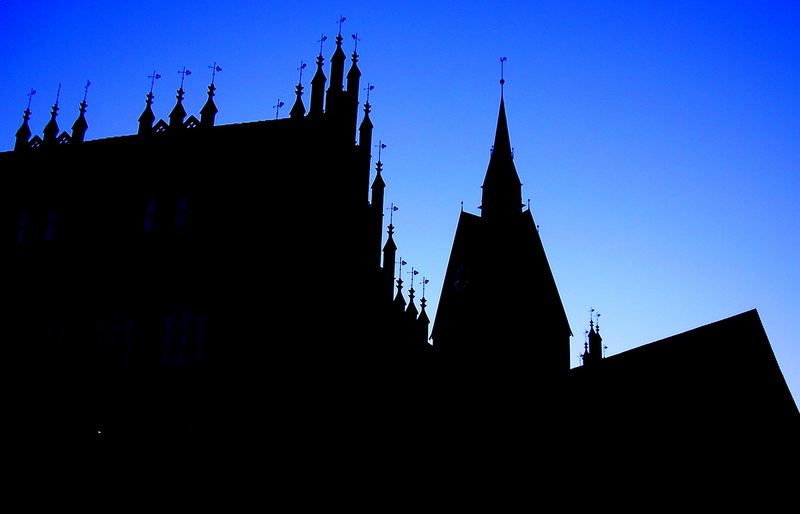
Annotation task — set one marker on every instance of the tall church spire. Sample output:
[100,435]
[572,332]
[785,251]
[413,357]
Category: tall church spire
[502,189]
[51,129]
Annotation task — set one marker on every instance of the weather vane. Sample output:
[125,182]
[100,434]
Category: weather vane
[356,39]
[86,90]
[413,272]
[214,70]
[155,76]
[424,282]
[30,96]
[301,68]
[277,107]
[342,19]
[400,270]
[380,146]
[502,79]
[322,39]
[369,88]
[184,73]
[392,208]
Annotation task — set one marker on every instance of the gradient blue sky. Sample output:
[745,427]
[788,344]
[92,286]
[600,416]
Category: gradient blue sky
[659,142]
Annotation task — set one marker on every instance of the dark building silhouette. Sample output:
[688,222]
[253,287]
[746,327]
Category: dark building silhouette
[498,285]
[177,315]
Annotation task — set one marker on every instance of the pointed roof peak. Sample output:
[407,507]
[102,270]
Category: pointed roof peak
[51,129]
[502,141]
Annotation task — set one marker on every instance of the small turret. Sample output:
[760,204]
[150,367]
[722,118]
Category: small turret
[80,126]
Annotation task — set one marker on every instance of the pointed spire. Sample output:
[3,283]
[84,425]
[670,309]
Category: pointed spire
[178,113]
[412,309]
[365,129]
[80,126]
[389,253]
[502,189]
[337,62]
[378,184]
[354,75]
[594,347]
[298,109]
[398,299]
[51,129]
[209,111]
[24,131]
[318,82]
[147,118]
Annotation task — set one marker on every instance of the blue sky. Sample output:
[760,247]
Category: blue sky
[659,142]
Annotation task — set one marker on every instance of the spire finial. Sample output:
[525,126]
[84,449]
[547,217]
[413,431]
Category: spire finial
[86,90]
[30,96]
[369,88]
[277,107]
[155,76]
[392,208]
[356,39]
[58,95]
[413,272]
[214,70]
[321,40]
[424,282]
[184,73]
[342,19]
[591,319]
[380,146]
[400,263]
[502,78]
[597,323]
[300,69]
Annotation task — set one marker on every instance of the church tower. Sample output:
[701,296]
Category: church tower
[499,303]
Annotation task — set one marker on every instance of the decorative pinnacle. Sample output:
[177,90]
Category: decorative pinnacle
[155,76]
[184,73]
[214,70]
[342,19]
[30,96]
[322,39]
